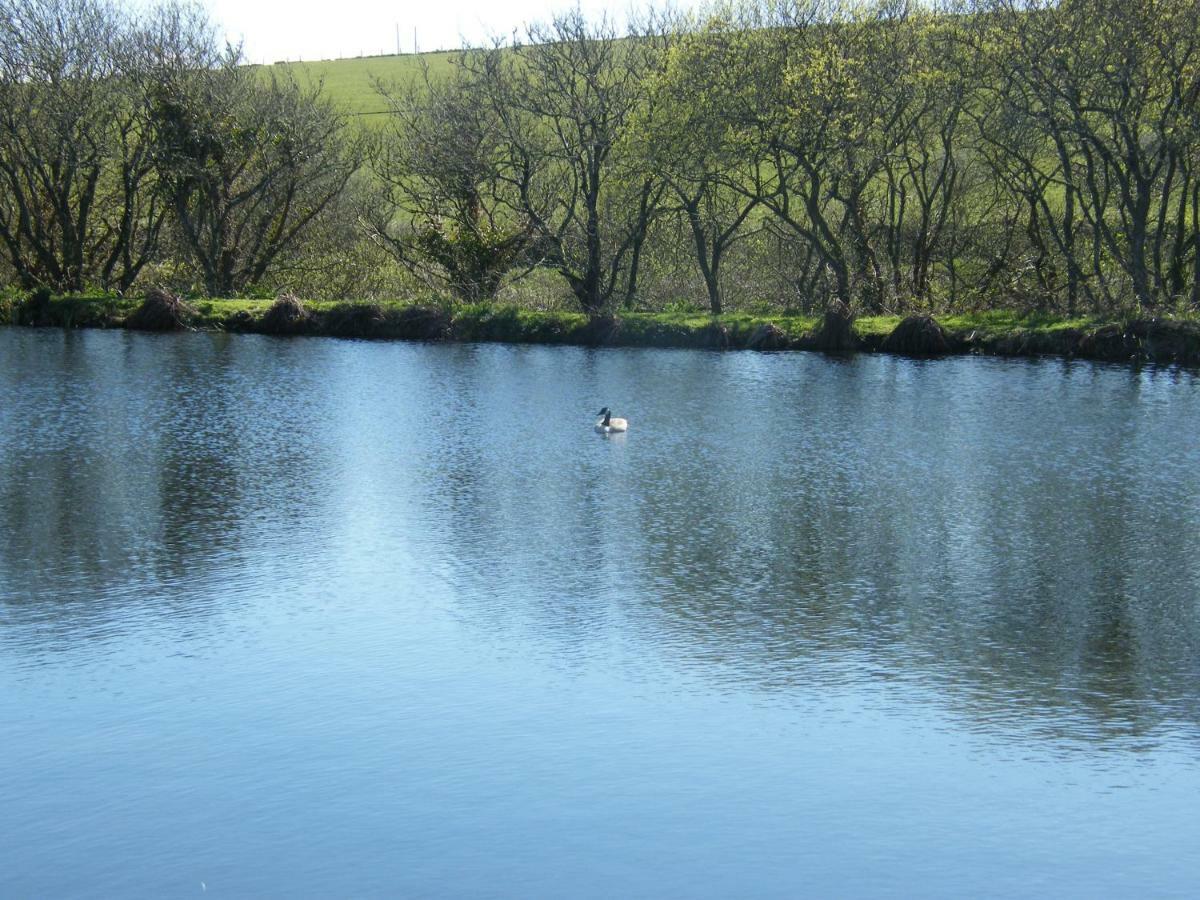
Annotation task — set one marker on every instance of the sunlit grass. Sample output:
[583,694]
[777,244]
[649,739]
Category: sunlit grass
[349,84]
[522,324]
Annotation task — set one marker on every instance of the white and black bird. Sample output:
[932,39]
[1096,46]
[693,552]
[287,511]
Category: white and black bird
[609,425]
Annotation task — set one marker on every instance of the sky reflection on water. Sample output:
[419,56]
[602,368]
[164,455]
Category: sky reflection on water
[325,616]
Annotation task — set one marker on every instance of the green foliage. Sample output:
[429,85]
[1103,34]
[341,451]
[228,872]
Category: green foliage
[474,259]
[1037,157]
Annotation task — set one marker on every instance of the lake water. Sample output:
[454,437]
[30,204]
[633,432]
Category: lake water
[335,618]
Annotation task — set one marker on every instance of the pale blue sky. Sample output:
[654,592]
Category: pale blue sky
[326,29]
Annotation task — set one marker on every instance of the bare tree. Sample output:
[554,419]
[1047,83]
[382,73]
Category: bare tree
[447,214]
[78,206]
[247,160]
[564,98]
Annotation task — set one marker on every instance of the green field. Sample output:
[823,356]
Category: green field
[350,83]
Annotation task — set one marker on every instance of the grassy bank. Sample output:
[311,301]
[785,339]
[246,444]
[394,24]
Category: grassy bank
[1165,339]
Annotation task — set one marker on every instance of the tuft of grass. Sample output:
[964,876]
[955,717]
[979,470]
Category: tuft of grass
[996,323]
[90,310]
[216,315]
[876,326]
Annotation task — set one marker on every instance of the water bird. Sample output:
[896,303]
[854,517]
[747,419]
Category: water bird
[609,425]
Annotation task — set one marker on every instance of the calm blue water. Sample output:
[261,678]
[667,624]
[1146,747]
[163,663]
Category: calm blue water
[310,617]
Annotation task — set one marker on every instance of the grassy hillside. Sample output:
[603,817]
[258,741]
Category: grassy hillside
[349,83]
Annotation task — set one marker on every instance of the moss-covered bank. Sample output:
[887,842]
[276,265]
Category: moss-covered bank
[1164,340]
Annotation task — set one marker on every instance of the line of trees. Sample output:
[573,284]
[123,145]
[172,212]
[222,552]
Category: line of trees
[889,154]
[886,154]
